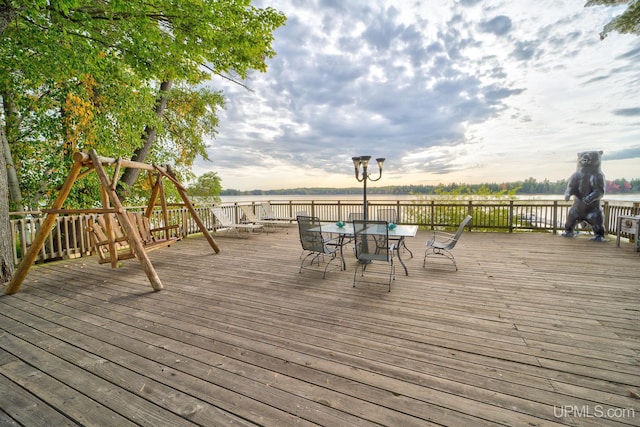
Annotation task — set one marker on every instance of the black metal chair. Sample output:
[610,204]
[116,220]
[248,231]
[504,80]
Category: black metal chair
[316,245]
[391,216]
[372,246]
[442,243]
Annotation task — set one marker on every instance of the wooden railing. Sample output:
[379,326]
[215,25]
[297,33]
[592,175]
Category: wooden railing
[69,237]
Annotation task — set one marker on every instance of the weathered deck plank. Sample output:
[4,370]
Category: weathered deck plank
[530,327]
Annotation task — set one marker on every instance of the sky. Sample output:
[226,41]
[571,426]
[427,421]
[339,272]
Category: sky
[447,91]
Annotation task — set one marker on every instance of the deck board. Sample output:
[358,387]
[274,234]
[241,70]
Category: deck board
[531,324]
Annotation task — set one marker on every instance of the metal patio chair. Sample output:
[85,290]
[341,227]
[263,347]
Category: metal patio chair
[387,214]
[268,224]
[268,214]
[391,216]
[317,247]
[442,243]
[228,225]
[372,246]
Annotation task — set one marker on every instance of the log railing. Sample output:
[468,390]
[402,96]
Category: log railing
[69,237]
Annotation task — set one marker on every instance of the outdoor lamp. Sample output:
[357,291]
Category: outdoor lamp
[363,161]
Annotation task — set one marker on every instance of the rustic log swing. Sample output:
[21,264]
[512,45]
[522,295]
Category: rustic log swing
[92,162]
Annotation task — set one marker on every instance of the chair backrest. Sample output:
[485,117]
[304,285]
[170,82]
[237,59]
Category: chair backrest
[247,211]
[372,240]
[389,215]
[267,211]
[461,227]
[355,215]
[142,225]
[222,217]
[116,230]
[310,240]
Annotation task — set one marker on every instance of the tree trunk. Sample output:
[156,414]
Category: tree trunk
[7,15]
[12,177]
[130,174]
[6,242]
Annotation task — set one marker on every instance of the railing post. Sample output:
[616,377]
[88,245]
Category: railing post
[510,216]
[607,213]
[555,216]
[185,223]
[432,218]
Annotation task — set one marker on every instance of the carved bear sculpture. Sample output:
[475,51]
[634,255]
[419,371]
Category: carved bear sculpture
[587,186]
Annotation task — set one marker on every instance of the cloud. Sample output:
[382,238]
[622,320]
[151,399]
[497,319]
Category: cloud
[499,26]
[460,81]
[525,50]
[626,154]
[627,112]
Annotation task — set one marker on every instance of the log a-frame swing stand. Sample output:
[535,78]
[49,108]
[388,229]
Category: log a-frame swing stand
[83,164]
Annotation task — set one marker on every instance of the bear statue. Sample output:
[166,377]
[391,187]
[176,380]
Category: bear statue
[587,185]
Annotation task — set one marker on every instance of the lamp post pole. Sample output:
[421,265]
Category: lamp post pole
[363,161]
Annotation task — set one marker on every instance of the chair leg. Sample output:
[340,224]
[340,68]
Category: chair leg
[316,258]
[333,257]
[363,267]
[355,273]
[392,275]
[442,252]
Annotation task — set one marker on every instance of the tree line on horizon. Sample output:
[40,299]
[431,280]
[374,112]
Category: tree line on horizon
[528,186]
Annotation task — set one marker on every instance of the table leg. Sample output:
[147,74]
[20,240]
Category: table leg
[405,247]
[400,244]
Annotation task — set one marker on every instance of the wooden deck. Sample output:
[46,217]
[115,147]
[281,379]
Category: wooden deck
[533,330]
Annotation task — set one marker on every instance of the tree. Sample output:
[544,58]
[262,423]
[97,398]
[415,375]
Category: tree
[207,188]
[87,74]
[80,74]
[6,242]
[626,23]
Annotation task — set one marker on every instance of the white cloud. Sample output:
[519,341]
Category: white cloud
[447,91]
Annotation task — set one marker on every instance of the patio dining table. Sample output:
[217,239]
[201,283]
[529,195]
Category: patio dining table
[399,233]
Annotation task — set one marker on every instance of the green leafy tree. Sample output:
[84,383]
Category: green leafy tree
[626,23]
[125,78]
[79,74]
[206,189]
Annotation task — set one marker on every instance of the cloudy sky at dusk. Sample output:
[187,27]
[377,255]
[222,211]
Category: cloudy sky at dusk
[446,90]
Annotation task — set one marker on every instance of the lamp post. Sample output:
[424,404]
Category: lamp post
[363,161]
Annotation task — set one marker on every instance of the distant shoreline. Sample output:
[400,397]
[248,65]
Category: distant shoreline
[625,197]
[520,188]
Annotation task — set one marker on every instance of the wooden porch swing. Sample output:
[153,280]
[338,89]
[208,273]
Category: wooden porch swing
[106,234]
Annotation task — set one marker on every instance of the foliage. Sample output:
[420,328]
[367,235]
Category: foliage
[82,74]
[626,23]
[453,206]
[206,189]
[528,186]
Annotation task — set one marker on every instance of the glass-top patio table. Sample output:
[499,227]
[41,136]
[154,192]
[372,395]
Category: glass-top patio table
[399,233]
